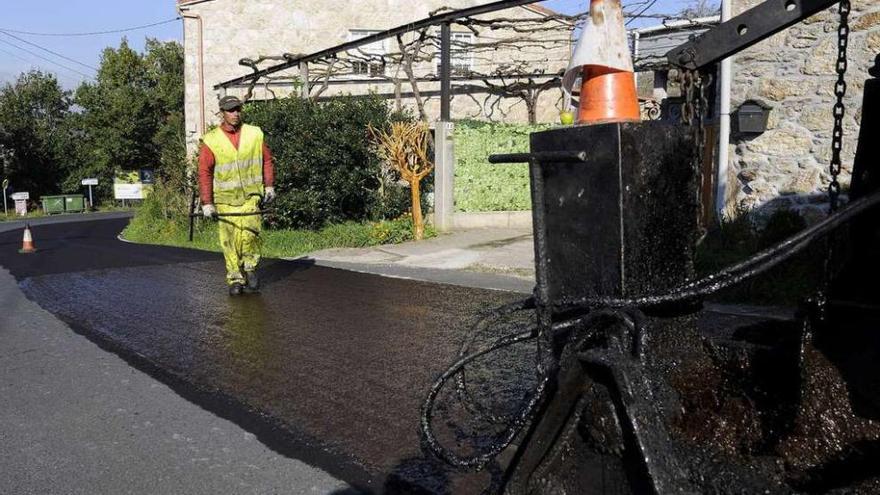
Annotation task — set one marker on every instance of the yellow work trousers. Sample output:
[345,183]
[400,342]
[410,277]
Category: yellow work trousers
[240,239]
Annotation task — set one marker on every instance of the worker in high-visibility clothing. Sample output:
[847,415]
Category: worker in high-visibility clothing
[236,177]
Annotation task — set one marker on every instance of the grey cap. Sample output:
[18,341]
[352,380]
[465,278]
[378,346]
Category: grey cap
[229,102]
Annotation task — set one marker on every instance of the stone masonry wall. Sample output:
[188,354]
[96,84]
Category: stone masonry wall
[794,73]
[236,29]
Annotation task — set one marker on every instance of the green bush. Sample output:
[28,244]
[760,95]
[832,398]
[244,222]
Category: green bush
[781,225]
[738,239]
[482,186]
[161,213]
[396,231]
[734,239]
[326,168]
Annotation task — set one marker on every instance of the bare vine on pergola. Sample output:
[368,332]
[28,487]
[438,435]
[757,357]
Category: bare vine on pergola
[253,64]
[523,76]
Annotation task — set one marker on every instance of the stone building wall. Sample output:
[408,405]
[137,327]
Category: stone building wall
[236,29]
[794,73]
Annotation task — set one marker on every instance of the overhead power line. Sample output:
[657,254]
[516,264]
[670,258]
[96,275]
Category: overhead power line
[94,33]
[45,58]
[13,76]
[636,16]
[16,56]
[87,66]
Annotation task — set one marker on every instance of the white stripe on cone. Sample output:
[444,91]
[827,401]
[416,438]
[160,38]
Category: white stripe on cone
[27,242]
[603,42]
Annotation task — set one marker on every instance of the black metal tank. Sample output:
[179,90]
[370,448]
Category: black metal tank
[634,395]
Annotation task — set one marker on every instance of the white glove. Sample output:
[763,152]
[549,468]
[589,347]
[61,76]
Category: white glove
[269,195]
[209,211]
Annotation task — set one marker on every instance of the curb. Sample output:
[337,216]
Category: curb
[505,219]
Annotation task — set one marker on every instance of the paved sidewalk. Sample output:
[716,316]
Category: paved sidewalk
[489,258]
[493,258]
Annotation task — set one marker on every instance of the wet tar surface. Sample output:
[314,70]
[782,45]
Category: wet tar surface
[324,365]
[331,367]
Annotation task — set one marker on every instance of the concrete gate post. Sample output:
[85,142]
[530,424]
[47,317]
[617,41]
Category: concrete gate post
[444,172]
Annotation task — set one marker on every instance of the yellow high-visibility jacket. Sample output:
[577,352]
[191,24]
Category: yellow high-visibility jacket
[238,173]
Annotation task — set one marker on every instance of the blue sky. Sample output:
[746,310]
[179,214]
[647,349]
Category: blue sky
[660,6]
[80,54]
[65,16]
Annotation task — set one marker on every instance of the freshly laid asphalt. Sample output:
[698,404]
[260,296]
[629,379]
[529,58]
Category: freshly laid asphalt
[76,419]
[325,366]
[126,368]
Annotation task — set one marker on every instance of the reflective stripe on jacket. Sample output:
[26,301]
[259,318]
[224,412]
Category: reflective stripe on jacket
[238,173]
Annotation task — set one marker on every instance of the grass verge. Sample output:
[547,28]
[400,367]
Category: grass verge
[39,213]
[12,217]
[174,231]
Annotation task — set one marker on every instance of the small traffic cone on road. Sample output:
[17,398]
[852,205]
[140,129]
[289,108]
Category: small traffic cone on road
[27,242]
[602,59]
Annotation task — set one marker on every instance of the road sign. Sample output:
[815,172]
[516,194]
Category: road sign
[147,175]
[92,181]
[21,200]
[128,185]
[128,191]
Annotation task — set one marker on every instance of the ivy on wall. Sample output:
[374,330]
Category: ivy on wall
[481,186]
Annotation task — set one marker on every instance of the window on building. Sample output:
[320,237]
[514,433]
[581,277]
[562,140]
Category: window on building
[366,60]
[461,57]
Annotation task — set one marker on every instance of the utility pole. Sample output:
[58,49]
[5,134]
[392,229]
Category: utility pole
[4,160]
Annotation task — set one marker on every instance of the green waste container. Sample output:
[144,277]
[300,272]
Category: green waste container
[52,204]
[74,203]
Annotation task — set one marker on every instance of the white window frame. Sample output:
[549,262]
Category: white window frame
[364,68]
[461,57]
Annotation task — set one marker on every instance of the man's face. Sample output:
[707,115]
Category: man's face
[232,117]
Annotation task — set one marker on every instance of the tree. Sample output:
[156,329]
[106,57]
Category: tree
[132,115]
[700,8]
[32,132]
[164,63]
[119,116]
[129,117]
[405,147]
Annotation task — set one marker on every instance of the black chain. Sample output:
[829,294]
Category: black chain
[839,108]
[686,78]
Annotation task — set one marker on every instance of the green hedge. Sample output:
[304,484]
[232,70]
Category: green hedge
[737,239]
[326,167]
[481,186]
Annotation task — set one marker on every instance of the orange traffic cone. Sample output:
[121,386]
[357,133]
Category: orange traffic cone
[608,95]
[27,242]
[602,59]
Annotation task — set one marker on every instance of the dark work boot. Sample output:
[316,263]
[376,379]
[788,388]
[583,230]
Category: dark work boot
[253,283]
[236,289]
